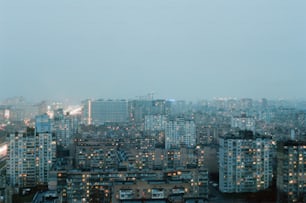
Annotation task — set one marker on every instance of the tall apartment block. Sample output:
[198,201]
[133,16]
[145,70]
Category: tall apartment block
[45,147]
[155,122]
[101,111]
[64,126]
[180,132]
[245,162]
[291,171]
[21,169]
[138,109]
[43,123]
[31,154]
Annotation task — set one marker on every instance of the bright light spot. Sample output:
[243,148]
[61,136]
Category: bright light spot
[3,150]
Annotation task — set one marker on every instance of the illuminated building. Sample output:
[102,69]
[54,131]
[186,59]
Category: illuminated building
[45,147]
[245,162]
[291,171]
[21,170]
[155,122]
[31,154]
[180,132]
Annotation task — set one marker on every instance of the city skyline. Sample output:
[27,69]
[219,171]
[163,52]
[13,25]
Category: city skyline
[176,49]
[145,150]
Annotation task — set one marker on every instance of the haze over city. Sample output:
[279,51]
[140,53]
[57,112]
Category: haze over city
[164,101]
[177,49]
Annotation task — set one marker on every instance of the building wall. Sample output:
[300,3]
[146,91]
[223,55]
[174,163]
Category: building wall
[99,112]
[64,126]
[155,122]
[243,123]
[21,168]
[31,154]
[291,171]
[45,155]
[43,123]
[180,132]
[245,163]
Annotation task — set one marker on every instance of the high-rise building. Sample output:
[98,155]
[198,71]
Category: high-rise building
[64,126]
[43,123]
[45,144]
[21,169]
[180,132]
[86,112]
[31,154]
[138,109]
[291,171]
[245,162]
[155,122]
[102,111]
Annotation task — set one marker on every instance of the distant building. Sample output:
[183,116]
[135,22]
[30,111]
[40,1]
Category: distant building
[64,126]
[86,112]
[43,124]
[101,111]
[206,134]
[243,122]
[179,107]
[246,103]
[180,132]
[138,109]
[291,171]
[245,162]
[155,122]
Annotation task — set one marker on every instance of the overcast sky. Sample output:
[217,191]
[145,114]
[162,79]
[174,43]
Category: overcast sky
[183,49]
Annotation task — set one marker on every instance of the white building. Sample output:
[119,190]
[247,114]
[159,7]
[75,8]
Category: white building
[45,155]
[180,132]
[243,122]
[155,122]
[245,162]
[30,157]
[31,154]
[64,126]
[21,168]
[102,111]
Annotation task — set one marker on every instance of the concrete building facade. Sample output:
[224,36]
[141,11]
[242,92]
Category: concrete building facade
[245,162]
[291,171]
[180,132]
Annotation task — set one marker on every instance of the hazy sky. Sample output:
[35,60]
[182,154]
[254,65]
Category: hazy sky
[184,49]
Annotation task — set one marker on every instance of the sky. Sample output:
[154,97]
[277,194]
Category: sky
[181,49]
